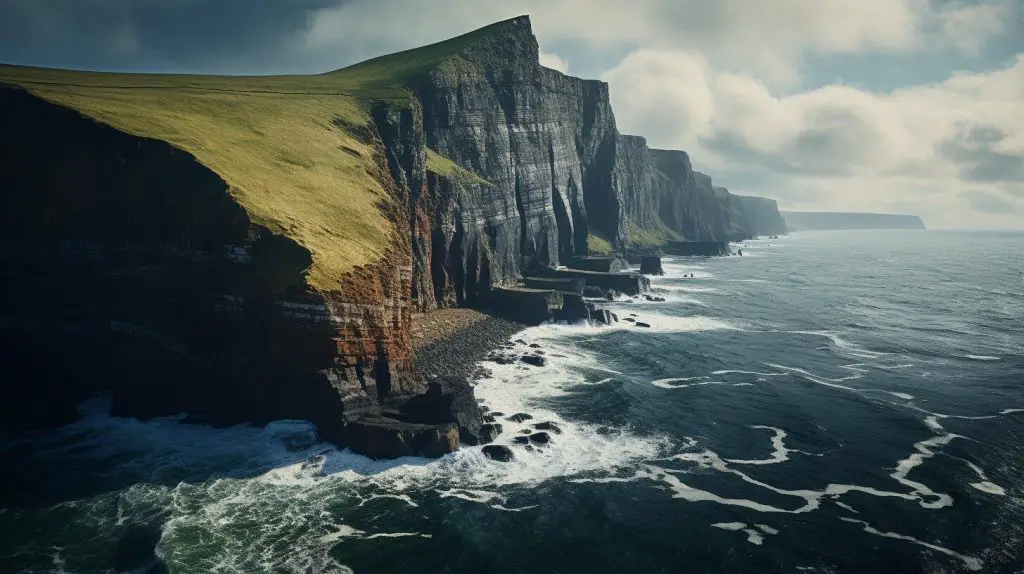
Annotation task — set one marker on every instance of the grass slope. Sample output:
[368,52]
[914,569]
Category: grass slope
[282,143]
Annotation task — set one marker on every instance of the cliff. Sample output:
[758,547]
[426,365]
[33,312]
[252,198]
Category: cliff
[810,221]
[246,249]
[763,215]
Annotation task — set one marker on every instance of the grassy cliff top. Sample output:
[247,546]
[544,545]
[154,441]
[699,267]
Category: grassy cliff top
[394,71]
[276,141]
[287,146]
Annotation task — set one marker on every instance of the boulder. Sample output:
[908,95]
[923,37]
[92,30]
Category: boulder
[602,317]
[382,437]
[519,417]
[540,438]
[534,360]
[651,265]
[499,453]
[488,432]
[447,400]
[548,426]
[574,308]
[642,324]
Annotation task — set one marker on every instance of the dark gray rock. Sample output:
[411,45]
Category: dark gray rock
[383,437]
[499,453]
[642,324]
[540,438]
[548,426]
[519,417]
[488,432]
[651,265]
[534,360]
[447,400]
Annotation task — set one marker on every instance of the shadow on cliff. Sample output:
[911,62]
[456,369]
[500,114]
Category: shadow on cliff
[129,269]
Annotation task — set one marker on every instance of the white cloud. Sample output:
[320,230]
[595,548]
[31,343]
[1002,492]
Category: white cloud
[957,144]
[768,39]
[554,61]
[969,25]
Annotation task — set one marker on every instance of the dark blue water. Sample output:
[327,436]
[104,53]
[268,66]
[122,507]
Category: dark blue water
[830,402]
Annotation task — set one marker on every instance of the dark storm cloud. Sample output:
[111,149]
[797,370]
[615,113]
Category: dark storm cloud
[167,35]
[972,150]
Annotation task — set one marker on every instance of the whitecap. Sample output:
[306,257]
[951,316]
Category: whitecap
[983,357]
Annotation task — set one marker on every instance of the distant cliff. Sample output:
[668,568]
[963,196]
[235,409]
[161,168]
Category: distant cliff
[763,215]
[823,220]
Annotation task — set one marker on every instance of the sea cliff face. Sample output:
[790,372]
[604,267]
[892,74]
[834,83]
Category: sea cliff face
[763,215]
[131,270]
[135,265]
[542,141]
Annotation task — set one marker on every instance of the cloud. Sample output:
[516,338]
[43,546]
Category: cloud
[988,202]
[554,61]
[855,148]
[228,36]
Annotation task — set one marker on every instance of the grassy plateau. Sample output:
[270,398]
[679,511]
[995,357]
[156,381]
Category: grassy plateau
[283,144]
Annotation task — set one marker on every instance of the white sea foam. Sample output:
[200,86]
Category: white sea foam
[972,563]
[983,357]
[780,453]
[684,288]
[847,507]
[753,536]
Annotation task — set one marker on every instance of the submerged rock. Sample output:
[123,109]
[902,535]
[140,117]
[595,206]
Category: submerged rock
[533,360]
[642,324]
[548,426]
[521,440]
[499,453]
[519,417]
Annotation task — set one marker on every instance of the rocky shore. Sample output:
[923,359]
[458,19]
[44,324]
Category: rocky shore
[451,342]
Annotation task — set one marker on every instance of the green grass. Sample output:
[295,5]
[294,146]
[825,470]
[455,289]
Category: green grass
[284,144]
[597,245]
[398,70]
[646,237]
[442,166]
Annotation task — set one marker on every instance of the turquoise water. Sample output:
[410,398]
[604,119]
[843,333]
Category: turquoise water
[830,402]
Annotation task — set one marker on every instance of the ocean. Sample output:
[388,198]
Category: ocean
[829,402]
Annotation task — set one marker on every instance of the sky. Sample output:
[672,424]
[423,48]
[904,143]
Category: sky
[904,106]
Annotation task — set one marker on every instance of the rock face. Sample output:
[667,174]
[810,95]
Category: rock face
[763,215]
[809,221]
[540,139]
[131,269]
